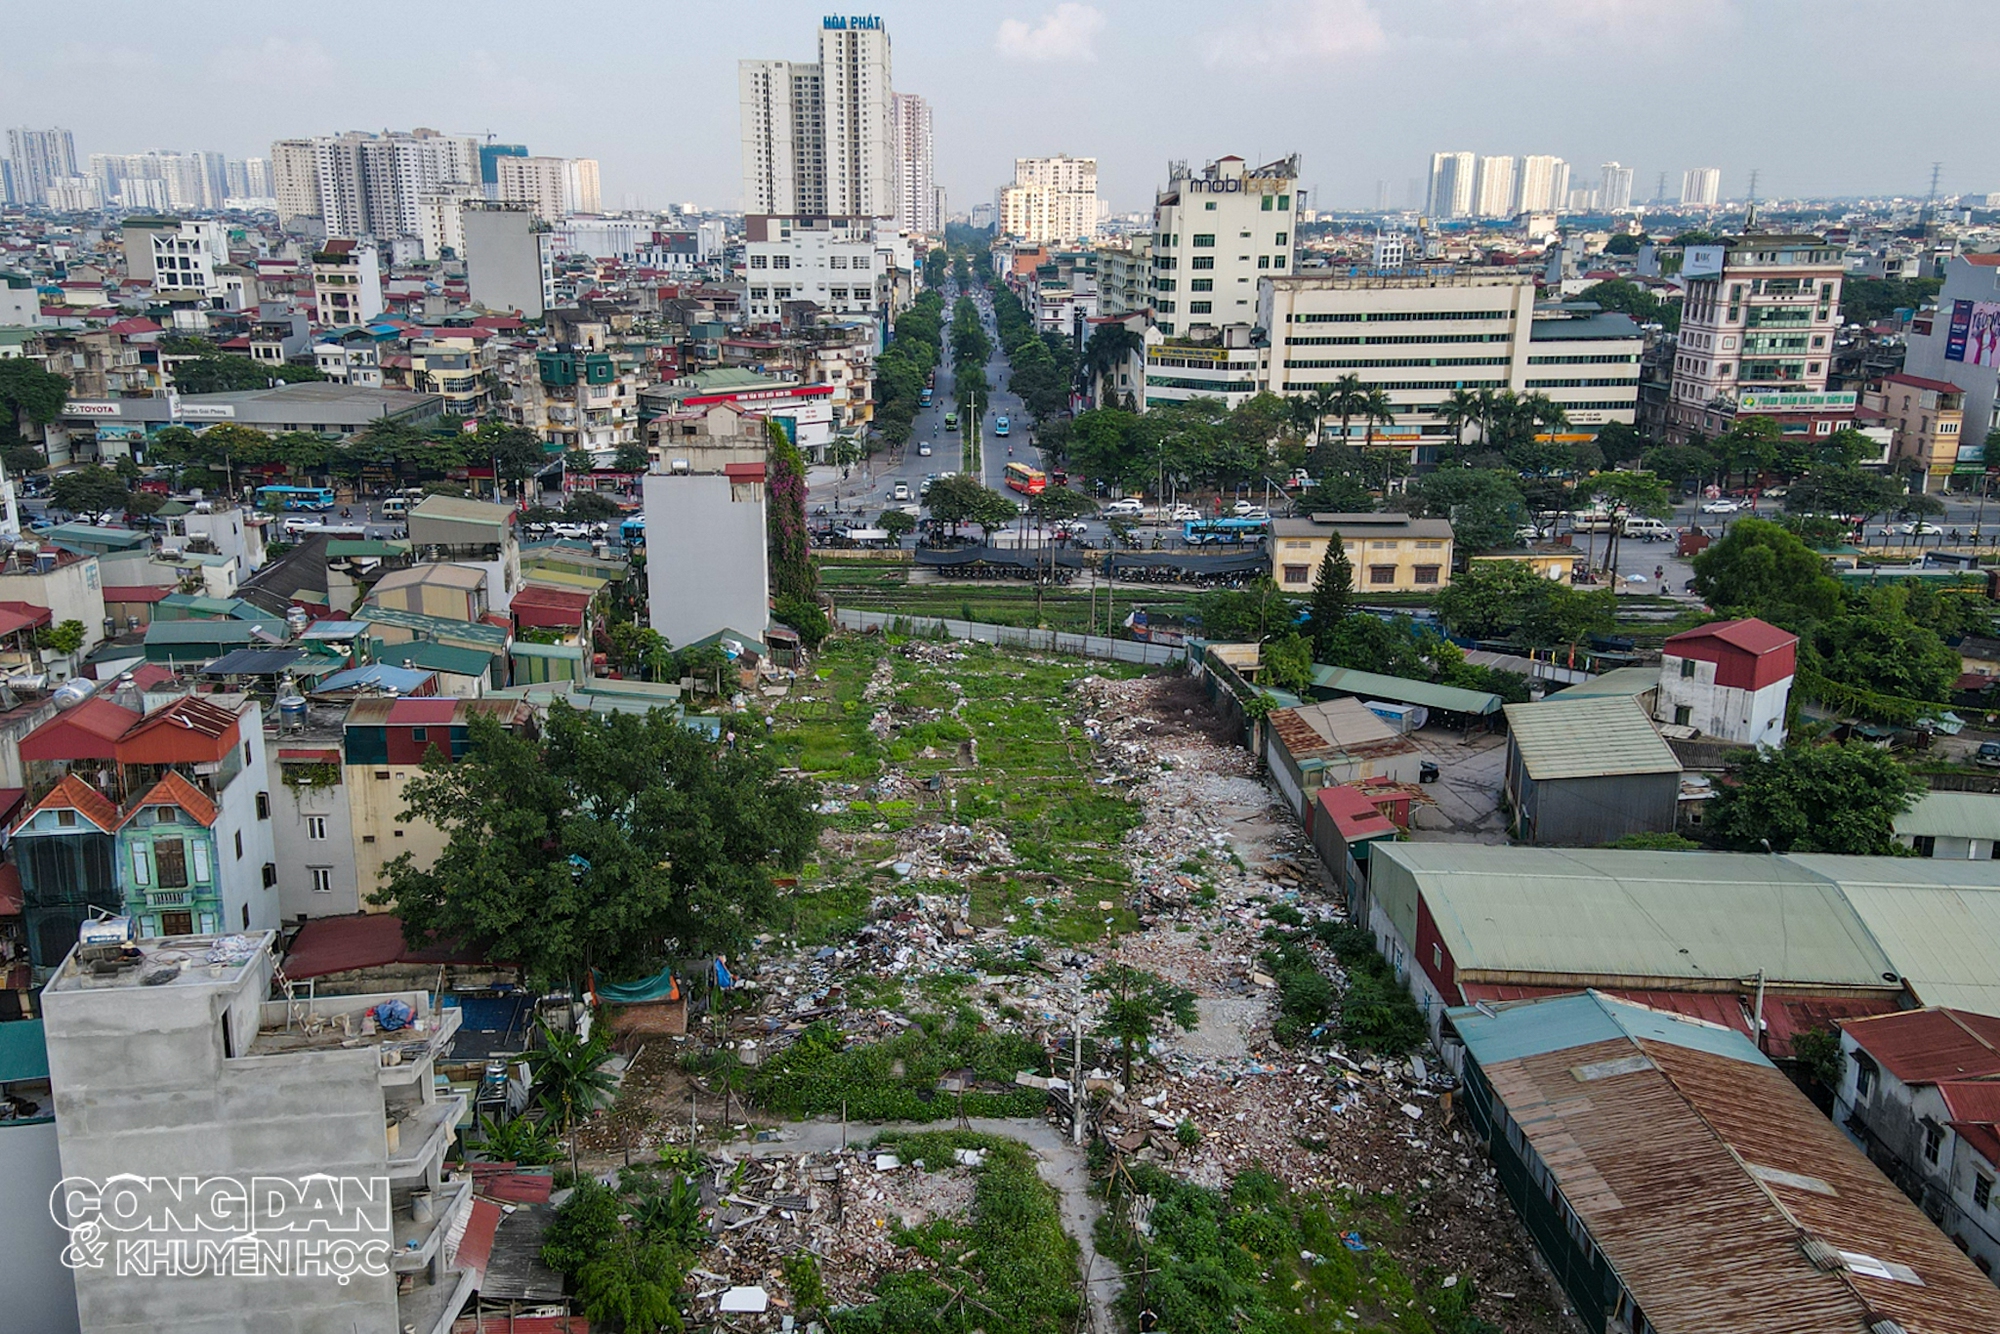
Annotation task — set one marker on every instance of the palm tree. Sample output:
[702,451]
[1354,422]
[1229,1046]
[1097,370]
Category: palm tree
[1545,412]
[569,1073]
[1374,408]
[1461,407]
[1107,349]
[1325,400]
[1347,398]
[1488,404]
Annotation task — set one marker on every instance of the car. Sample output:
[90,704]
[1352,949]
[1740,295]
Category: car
[900,491]
[1989,755]
[1131,507]
[924,450]
[1185,514]
[1242,507]
[1527,532]
[1720,507]
[1918,529]
[1258,515]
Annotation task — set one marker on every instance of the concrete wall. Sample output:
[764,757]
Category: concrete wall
[247,903]
[375,799]
[707,564]
[297,853]
[37,1291]
[503,263]
[1007,636]
[73,592]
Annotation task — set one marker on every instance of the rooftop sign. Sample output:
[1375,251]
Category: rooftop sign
[1764,401]
[854,22]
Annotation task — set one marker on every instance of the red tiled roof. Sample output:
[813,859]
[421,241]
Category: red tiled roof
[173,790]
[147,593]
[1983,261]
[309,754]
[74,794]
[421,712]
[364,940]
[1919,382]
[744,472]
[138,324]
[13,622]
[90,731]
[1931,1046]
[1749,634]
[147,675]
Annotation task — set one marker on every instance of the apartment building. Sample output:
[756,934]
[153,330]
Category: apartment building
[185,257]
[1390,552]
[1493,193]
[295,180]
[347,283]
[1926,421]
[173,1064]
[552,187]
[820,138]
[917,190]
[1759,318]
[841,264]
[1215,235]
[1052,201]
[372,185]
[40,158]
[509,264]
[1452,177]
[1701,187]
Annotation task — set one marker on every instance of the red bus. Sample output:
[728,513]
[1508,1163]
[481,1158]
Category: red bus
[1028,481]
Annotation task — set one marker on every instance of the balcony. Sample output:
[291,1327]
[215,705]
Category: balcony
[423,1136]
[419,1241]
[333,1023]
[430,1308]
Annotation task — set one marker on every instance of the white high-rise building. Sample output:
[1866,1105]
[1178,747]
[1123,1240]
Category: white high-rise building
[1541,184]
[374,184]
[40,157]
[1451,185]
[820,138]
[1215,234]
[1493,193]
[1053,200]
[554,186]
[916,180]
[1701,187]
[1614,190]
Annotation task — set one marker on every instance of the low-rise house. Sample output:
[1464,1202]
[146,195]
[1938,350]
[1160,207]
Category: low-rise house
[470,532]
[1324,745]
[1920,1093]
[452,592]
[311,827]
[1730,680]
[1391,552]
[1961,825]
[68,584]
[1677,1182]
[1585,772]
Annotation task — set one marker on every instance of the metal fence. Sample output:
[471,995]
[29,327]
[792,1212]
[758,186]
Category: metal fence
[1009,636]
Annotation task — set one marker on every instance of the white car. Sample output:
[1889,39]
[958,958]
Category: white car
[1527,532]
[900,491]
[924,450]
[1130,507]
[1918,529]
[1720,507]
[1185,514]
[1243,509]
[1258,515]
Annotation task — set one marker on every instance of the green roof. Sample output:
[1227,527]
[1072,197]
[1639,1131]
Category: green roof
[433,627]
[214,632]
[1514,1030]
[1952,815]
[1588,738]
[23,1053]
[91,535]
[1558,912]
[525,649]
[1623,682]
[198,605]
[437,657]
[337,547]
[1398,690]
[1938,919]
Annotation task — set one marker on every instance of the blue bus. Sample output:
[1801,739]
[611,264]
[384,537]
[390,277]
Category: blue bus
[926,399]
[1000,424]
[1203,532]
[633,531]
[296,497]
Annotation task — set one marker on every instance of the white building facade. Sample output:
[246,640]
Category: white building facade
[916,171]
[842,265]
[553,187]
[820,138]
[1760,316]
[1215,235]
[1701,187]
[1053,201]
[1451,185]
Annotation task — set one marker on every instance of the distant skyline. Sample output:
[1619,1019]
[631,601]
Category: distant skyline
[1364,90]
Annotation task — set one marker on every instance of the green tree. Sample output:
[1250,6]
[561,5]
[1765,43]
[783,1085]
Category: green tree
[1244,615]
[1881,649]
[1759,569]
[585,1228]
[590,507]
[1138,1004]
[895,523]
[1814,798]
[1368,643]
[570,1079]
[1680,465]
[1288,662]
[517,454]
[1750,445]
[1333,591]
[65,637]
[794,573]
[1484,505]
[1340,493]
[217,373]
[1505,599]
[1620,443]
[1630,298]
[19,460]
[30,394]
[609,844]
[805,616]
[1866,300]
[91,489]
[631,457]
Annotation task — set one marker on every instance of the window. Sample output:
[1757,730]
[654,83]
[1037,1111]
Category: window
[861,262]
[1200,307]
[1295,574]
[316,827]
[1281,238]
[1381,574]
[1681,715]
[1982,1190]
[420,734]
[170,854]
[1437,956]
[758,262]
[239,845]
[759,293]
[1269,200]
[1210,207]
[836,262]
[139,863]
[263,805]
[1201,284]
[1687,668]
[270,874]
[1284,203]
[66,819]
[781,261]
[1263,261]
[1933,1141]
[322,879]
[1203,262]
[1205,240]
[1426,574]
[1924,845]
[1277,261]
[246,917]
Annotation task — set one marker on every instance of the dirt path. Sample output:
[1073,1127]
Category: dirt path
[1060,1163]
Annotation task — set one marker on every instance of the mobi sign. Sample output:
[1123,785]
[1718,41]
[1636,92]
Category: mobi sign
[1249,185]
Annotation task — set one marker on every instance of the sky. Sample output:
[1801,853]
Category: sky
[1823,97]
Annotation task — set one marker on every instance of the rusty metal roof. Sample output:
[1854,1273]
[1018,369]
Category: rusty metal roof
[1722,1198]
[1930,1046]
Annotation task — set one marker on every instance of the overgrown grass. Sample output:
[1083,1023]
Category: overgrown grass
[1376,1011]
[1010,1267]
[896,1079]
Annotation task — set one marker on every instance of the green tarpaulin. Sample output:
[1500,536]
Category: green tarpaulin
[657,988]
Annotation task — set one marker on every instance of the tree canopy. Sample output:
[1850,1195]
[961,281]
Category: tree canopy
[1505,599]
[616,843]
[1484,506]
[1759,569]
[219,372]
[1814,798]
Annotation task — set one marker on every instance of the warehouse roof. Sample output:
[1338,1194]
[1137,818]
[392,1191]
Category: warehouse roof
[1526,913]
[1619,682]
[1718,1194]
[1938,919]
[1588,738]
[1399,690]
[1952,815]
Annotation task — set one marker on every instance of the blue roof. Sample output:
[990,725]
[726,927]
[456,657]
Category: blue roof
[1512,1030]
[401,680]
[23,1053]
[335,630]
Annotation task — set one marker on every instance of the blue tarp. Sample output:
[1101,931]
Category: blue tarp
[660,986]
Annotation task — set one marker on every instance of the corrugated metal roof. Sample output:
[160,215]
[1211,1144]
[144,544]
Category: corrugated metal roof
[1696,1167]
[1927,1046]
[1550,913]
[1952,815]
[1398,690]
[1517,1029]
[457,509]
[477,632]
[1619,682]
[1588,738]
[1938,920]
[439,658]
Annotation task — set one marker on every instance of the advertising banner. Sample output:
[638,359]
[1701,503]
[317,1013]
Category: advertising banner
[1973,336]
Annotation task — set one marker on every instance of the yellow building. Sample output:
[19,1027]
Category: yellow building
[1391,553]
[1554,563]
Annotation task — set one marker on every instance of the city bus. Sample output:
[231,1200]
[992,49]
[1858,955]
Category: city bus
[927,396]
[1028,481]
[1000,425]
[1202,532]
[951,421]
[296,497]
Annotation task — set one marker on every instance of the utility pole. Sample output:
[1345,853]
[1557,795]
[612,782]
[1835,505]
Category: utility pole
[1930,200]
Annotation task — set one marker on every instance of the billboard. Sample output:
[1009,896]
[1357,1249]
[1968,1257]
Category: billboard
[1973,336]
[1702,261]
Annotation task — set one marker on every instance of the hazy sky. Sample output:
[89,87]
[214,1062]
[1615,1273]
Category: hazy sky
[1825,96]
